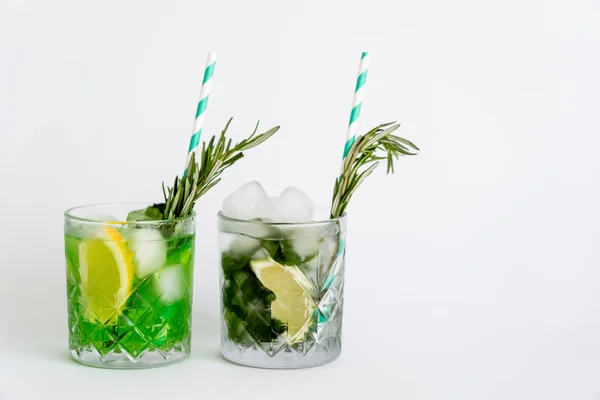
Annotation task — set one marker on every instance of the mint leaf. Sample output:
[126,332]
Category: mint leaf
[247,303]
[271,246]
[151,213]
[286,254]
[231,262]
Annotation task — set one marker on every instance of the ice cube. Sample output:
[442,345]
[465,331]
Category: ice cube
[249,201]
[307,247]
[242,244]
[271,211]
[293,205]
[301,243]
[306,242]
[260,254]
[225,241]
[149,251]
[170,283]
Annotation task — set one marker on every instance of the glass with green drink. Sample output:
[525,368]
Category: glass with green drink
[130,267]
[129,286]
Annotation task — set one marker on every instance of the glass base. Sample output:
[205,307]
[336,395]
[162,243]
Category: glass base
[286,357]
[148,359]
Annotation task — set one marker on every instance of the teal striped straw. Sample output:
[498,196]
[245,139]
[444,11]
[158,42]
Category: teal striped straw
[356,105]
[202,103]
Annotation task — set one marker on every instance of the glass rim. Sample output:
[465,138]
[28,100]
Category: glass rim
[341,218]
[68,214]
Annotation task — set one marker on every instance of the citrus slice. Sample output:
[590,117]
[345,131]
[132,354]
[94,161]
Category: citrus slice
[293,304]
[106,270]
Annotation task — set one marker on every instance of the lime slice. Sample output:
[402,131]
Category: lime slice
[106,270]
[293,304]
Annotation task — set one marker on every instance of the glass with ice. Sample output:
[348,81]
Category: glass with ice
[130,266]
[282,279]
[129,286]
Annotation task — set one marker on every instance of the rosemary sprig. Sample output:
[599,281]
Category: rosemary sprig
[215,157]
[363,157]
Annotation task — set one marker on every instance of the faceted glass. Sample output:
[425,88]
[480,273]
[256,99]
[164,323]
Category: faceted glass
[129,287]
[282,290]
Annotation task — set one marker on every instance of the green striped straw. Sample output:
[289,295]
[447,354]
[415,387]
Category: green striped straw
[356,105]
[202,103]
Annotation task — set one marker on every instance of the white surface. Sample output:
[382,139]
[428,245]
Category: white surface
[472,274]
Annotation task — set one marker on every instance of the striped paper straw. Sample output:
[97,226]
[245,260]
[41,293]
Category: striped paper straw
[202,103]
[356,105]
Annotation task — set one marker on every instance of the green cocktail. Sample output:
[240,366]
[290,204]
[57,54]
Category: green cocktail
[130,266]
[129,287]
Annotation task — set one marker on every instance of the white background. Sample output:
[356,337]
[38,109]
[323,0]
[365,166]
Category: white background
[471,274]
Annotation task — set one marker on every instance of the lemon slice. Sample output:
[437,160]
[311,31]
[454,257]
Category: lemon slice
[106,270]
[293,304]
